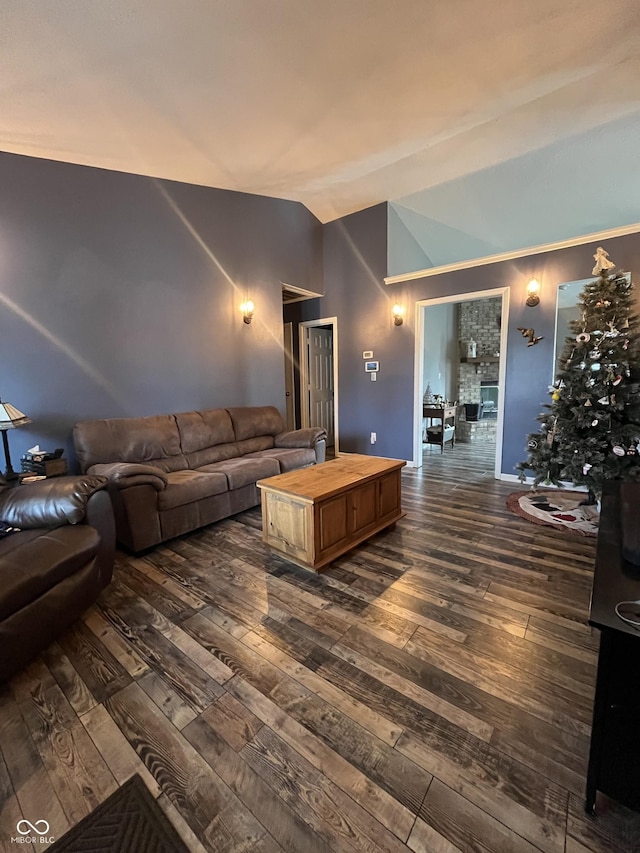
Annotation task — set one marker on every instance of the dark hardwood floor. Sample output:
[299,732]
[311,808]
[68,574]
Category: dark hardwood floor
[431,691]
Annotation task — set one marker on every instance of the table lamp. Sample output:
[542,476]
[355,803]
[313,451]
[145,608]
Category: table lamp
[10,418]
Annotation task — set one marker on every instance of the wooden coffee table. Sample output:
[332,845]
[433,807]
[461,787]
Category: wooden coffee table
[314,514]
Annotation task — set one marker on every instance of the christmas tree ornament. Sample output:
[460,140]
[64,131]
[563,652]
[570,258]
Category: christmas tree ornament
[625,324]
[595,353]
[582,365]
[551,434]
[583,338]
[604,401]
[588,402]
[602,262]
[556,395]
[631,451]
[533,444]
[619,451]
[586,468]
[594,422]
[595,365]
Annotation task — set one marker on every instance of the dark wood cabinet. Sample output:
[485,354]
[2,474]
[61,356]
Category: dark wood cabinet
[446,415]
[614,757]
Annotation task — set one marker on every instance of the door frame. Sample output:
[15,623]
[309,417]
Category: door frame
[289,376]
[303,338]
[421,306]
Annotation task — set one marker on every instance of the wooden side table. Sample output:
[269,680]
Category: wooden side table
[444,414]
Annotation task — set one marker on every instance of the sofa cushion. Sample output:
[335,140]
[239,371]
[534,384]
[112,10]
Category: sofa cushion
[204,429]
[244,471]
[253,445]
[153,440]
[215,453]
[185,487]
[33,562]
[288,459]
[251,421]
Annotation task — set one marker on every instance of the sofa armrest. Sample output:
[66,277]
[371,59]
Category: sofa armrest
[315,438]
[300,437]
[49,503]
[122,475]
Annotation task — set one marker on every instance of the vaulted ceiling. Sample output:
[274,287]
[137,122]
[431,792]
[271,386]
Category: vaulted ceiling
[338,104]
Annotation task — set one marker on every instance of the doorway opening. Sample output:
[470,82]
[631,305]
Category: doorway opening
[319,377]
[461,344]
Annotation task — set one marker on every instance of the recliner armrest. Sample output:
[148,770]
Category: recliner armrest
[49,503]
[122,475]
[308,437]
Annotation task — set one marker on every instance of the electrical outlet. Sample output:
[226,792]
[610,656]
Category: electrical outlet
[374,438]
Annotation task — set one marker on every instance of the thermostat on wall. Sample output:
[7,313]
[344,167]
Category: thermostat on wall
[368,353]
[372,366]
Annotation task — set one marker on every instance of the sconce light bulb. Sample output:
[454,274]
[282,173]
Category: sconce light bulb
[247,308]
[398,314]
[533,289]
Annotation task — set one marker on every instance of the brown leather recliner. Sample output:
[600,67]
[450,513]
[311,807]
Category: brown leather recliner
[55,565]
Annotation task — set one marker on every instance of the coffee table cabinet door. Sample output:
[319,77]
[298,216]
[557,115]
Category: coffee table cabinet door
[287,526]
[363,510]
[389,495]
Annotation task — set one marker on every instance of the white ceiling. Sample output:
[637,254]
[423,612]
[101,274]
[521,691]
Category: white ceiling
[339,104]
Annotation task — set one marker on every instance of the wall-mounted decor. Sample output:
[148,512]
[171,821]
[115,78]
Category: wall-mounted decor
[530,335]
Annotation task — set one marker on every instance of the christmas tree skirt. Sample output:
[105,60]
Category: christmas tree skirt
[558,509]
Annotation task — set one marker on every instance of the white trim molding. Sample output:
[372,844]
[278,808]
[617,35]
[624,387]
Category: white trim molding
[517,253]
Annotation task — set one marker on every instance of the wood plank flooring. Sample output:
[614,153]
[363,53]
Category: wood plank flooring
[431,691]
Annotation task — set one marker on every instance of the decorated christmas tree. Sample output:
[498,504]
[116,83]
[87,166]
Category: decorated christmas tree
[590,432]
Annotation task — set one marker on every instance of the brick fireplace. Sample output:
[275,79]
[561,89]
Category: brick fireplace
[478,321]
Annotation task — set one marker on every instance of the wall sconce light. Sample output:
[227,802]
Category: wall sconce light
[247,309]
[533,290]
[398,314]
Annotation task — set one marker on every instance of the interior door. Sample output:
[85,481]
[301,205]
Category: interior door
[320,390]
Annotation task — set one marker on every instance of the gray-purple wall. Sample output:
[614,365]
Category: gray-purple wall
[120,294]
[355,266]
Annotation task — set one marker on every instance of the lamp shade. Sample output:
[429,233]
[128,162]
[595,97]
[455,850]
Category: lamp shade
[10,417]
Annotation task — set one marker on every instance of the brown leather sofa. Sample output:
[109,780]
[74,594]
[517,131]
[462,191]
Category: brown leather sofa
[55,565]
[171,474]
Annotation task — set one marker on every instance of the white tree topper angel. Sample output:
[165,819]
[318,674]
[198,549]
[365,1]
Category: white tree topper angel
[602,263]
